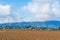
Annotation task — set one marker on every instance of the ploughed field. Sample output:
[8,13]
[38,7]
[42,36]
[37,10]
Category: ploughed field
[29,35]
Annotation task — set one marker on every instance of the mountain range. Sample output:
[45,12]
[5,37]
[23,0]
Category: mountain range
[36,23]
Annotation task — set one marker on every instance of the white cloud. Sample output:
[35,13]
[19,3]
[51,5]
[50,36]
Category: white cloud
[7,17]
[56,8]
[43,9]
[44,1]
[17,17]
[4,10]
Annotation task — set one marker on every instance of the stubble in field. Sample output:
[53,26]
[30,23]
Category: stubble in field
[29,35]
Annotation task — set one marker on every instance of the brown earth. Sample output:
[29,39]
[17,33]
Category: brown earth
[29,35]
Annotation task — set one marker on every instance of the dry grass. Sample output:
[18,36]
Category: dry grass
[29,35]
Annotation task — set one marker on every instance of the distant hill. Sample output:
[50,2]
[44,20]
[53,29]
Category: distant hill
[36,23]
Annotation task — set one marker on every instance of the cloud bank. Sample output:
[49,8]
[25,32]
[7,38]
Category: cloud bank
[6,16]
[43,10]
[36,10]
[4,10]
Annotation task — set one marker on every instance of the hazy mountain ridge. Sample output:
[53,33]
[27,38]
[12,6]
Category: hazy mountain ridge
[36,23]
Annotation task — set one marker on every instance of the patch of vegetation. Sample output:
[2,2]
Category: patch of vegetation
[27,27]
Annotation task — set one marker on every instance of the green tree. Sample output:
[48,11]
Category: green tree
[17,27]
[59,28]
[7,27]
[44,28]
[1,27]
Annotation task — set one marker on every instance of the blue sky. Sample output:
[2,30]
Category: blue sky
[29,10]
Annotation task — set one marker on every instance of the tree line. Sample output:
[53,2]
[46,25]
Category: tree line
[27,27]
